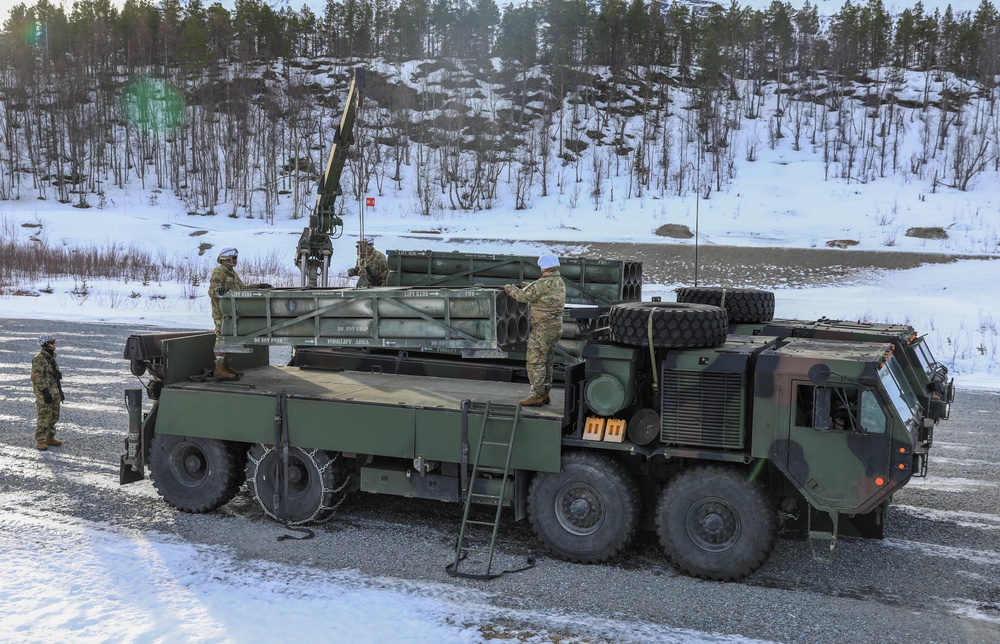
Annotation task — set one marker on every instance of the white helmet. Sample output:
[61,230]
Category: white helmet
[46,338]
[228,251]
[548,261]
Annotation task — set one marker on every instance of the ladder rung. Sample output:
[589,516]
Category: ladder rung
[496,444]
[489,524]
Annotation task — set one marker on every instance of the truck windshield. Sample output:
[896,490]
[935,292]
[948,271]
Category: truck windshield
[900,393]
[924,356]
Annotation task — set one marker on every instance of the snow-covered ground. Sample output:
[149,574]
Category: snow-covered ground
[76,589]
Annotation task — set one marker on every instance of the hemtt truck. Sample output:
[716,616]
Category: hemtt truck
[660,419]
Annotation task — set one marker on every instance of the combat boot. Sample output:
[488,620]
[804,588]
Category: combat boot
[222,373]
[42,446]
[53,441]
[229,368]
[533,401]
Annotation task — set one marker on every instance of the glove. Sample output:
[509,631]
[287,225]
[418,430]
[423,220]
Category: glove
[62,396]
[47,395]
[222,290]
[352,272]
[262,285]
[507,288]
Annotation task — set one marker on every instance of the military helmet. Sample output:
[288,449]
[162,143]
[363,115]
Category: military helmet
[548,261]
[228,251]
[46,338]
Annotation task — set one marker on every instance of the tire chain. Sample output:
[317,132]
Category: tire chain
[330,510]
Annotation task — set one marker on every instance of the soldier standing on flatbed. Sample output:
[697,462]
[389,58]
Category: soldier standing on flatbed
[46,380]
[546,299]
[372,268]
[224,279]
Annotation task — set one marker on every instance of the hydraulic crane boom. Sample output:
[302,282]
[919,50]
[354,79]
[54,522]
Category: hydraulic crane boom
[315,248]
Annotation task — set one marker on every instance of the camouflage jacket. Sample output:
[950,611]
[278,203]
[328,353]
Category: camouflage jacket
[546,298]
[376,266]
[45,373]
[222,276]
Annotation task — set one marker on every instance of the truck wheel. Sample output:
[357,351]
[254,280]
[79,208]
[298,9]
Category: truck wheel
[317,483]
[668,324]
[193,474]
[714,524]
[588,512]
[741,304]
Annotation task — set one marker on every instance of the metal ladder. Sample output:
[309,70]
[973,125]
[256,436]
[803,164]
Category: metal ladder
[461,549]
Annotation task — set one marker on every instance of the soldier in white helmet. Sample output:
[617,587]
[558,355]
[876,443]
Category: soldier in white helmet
[546,298]
[224,279]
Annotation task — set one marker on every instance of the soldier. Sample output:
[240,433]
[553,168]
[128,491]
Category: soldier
[546,298]
[372,268]
[46,380]
[224,279]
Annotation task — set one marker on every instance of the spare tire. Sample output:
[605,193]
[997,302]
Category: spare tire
[741,304]
[671,324]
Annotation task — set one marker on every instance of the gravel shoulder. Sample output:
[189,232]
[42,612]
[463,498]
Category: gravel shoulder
[935,578]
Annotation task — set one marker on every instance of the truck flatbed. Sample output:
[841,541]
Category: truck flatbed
[379,388]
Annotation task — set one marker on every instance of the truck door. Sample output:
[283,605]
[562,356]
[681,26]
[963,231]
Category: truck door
[839,457]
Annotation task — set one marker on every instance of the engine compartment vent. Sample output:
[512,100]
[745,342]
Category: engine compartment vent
[702,409]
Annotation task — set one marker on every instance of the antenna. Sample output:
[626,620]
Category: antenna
[697,203]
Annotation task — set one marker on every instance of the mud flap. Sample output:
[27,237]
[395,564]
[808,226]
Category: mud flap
[129,474]
[823,542]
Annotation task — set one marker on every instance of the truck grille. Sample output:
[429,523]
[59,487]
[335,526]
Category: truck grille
[702,409]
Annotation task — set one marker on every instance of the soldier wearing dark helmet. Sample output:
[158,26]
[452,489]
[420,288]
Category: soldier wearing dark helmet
[46,380]
[224,279]
[372,268]
[546,298]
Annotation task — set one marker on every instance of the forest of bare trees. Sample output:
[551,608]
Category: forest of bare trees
[232,111]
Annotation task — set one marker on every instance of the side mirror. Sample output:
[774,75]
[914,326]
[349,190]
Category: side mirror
[821,408]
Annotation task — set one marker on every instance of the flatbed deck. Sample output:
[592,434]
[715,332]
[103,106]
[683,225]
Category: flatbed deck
[379,388]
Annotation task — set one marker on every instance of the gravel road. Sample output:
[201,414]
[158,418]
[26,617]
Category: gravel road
[750,266]
[935,578]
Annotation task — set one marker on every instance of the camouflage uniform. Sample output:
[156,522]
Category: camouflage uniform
[376,267]
[222,276]
[46,382]
[546,298]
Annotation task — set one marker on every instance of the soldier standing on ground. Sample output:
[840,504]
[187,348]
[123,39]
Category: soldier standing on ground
[224,279]
[372,268]
[546,299]
[46,380]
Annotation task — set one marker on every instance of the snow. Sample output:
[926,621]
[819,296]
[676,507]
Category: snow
[73,591]
[77,589]
[88,570]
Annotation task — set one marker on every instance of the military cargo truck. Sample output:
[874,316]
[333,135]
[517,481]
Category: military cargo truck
[660,419]
[706,443]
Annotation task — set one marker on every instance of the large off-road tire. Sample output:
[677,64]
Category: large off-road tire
[674,325]
[194,474]
[317,483]
[741,304]
[714,524]
[587,513]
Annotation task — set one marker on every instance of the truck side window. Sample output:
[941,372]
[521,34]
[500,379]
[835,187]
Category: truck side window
[873,419]
[804,405]
[845,409]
